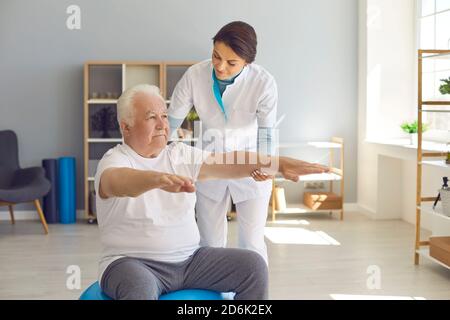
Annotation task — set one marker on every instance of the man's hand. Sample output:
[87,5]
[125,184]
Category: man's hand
[175,183]
[291,169]
[259,175]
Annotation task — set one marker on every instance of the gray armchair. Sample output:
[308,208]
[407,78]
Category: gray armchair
[19,185]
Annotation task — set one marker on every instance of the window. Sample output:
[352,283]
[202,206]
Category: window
[434,33]
[390,43]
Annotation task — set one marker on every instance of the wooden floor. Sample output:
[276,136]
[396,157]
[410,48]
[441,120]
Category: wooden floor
[335,259]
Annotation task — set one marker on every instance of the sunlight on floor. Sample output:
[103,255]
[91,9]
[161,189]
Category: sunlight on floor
[291,222]
[281,235]
[371,297]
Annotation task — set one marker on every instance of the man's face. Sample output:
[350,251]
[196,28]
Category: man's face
[149,134]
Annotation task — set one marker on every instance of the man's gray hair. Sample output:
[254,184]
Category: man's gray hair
[125,106]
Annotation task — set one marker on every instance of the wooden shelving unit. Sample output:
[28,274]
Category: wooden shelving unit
[336,175]
[104,82]
[427,158]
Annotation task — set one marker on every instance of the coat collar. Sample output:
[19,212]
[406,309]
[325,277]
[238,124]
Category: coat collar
[238,79]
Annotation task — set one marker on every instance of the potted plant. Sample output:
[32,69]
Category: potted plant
[445,88]
[186,131]
[412,129]
[191,117]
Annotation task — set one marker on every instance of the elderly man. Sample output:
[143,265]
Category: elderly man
[145,210]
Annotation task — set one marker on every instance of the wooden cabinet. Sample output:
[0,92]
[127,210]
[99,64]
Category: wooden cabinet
[104,82]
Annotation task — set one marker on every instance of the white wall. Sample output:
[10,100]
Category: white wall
[309,46]
[386,173]
[390,66]
[386,82]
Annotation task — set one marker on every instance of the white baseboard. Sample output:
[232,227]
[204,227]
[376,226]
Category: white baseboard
[353,207]
[29,215]
[367,211]
[33,215]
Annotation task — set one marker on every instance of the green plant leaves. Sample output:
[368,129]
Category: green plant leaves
[413,127]
[445,88]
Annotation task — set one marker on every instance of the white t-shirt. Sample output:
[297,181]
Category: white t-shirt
[157,224]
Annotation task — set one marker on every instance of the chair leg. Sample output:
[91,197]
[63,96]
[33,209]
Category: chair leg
[11,213]
[41,215]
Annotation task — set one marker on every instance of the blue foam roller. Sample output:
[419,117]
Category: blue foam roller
[94,292]
[67,190]
[50,203]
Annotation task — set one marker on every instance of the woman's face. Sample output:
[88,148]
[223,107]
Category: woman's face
[226,62]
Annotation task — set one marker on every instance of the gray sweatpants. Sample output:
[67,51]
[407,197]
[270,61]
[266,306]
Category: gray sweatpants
[221,269]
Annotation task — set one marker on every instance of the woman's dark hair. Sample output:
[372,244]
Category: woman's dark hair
[241,37]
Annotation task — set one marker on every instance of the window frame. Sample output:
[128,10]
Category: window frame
[439,135]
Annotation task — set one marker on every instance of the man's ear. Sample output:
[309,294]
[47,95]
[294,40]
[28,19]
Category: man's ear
[125,128]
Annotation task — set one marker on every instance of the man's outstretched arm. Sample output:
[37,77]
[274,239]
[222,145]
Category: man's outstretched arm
[241,164]
[127,182]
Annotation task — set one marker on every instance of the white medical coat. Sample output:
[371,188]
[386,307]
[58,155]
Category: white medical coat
[250,102]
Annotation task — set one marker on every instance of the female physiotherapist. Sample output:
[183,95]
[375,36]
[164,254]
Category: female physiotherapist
[236,101]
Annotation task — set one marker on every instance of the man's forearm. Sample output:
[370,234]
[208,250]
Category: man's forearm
[240,164]
[127,182]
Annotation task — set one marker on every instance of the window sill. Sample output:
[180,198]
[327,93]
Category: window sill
[406,143]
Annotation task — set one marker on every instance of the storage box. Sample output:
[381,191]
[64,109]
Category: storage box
[280,199]
[440,249]
[322,200]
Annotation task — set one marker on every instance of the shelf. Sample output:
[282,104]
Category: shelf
[102,101]
[436,110]
[428,208]
[438,104]
[426,254]
[102,140]
[314,177]
[315,144]
[436,163]
[335,174]
[301,208]
[174,72]
[104,82]
[321,177]
[438,56]
[136,73]
[325,145]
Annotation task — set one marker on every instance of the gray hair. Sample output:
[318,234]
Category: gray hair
[125,106]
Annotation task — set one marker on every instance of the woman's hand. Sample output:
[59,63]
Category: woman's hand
[258,175]
[291,169]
